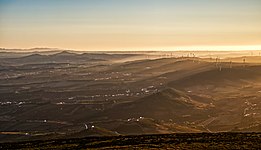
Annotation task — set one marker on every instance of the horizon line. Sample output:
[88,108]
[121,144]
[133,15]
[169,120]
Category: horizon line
[166,49]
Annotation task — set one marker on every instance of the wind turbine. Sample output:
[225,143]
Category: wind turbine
[244,61]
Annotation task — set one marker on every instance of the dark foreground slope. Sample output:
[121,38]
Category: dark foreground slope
[175,141]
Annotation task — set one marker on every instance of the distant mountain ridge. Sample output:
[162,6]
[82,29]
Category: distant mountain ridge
[65,56]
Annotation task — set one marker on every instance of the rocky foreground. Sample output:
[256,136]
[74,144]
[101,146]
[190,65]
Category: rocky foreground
[173,141]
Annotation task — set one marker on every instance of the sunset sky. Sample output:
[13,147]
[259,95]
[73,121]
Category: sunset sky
[131,24]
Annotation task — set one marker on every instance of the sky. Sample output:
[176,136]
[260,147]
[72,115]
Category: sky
[131,24]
